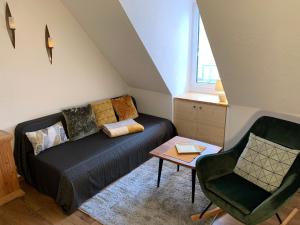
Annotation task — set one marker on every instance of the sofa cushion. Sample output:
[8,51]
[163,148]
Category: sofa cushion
[122,128]
[229,188]
[124,107]
[47,137]
[80,122]
[104,112]
[265,163]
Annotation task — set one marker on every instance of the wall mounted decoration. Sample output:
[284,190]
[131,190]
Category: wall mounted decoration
[49,42]
[10,25]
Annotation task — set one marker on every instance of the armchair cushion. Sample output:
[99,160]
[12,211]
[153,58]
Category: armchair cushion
[238,192]
[265,163]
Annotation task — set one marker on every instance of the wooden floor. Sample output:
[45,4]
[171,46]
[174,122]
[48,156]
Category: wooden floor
[38,209]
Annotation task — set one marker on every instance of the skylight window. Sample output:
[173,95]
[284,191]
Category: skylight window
[207,71]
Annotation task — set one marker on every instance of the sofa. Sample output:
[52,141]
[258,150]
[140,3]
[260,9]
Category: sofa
[74,171]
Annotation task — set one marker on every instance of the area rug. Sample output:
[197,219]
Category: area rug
[135,200]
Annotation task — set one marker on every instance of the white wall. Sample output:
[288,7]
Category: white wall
[165,30]
[148,42]
[153,103]
[256,48]
[240,119]
[108,25]
[29,86]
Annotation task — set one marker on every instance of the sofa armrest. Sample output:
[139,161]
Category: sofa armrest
[216,165]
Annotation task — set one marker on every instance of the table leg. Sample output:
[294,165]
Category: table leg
[159,171]
[193,184]
[177,168]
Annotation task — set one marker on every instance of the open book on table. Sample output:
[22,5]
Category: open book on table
[189,148]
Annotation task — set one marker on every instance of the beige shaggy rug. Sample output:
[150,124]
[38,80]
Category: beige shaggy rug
[135,200]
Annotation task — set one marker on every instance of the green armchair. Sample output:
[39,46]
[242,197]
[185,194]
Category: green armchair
[240,198]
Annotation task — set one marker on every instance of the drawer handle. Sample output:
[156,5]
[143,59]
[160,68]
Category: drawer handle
[194,106]
[200,107]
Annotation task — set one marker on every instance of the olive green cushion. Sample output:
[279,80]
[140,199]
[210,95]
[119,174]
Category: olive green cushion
[80,121]
[238,192]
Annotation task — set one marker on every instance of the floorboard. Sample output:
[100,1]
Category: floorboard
[37,209]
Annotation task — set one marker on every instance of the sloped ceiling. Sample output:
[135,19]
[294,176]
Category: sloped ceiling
[108,25]
[256,45]
[164,27]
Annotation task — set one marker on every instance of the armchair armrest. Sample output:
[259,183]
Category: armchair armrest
[270,206]
[216,165]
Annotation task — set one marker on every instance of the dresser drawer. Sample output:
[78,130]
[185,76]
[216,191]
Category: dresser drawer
[201,132]
[211,114]
[200,120]
[200,112]
[185,110]
[186,128]
[210,134]
[9,184]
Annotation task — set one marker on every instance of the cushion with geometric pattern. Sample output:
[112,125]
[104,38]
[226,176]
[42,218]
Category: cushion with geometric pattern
[47,138]
[265,163]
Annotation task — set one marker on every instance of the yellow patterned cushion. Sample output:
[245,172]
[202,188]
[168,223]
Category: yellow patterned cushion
[104,112]
[125,108]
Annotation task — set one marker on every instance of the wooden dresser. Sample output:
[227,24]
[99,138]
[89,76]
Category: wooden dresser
[201,117]
[9,185]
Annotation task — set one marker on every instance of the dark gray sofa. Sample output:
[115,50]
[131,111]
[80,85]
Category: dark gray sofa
[73,172]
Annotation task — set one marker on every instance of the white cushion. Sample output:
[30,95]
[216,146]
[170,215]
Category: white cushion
[46,138]
[265,163]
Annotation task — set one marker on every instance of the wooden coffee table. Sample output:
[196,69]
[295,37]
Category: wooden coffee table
[159,152]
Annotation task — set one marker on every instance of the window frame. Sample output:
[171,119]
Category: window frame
[194,86]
